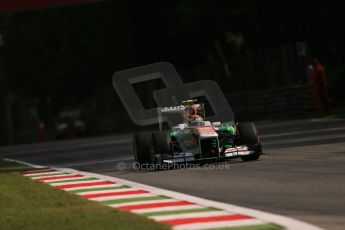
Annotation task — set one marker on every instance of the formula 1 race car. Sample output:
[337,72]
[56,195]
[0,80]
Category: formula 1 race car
[195,139]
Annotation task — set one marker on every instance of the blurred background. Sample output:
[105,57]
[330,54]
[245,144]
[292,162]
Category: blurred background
[57,59]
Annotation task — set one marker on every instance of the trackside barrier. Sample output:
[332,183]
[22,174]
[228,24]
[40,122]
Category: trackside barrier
[41,135]
[292,100]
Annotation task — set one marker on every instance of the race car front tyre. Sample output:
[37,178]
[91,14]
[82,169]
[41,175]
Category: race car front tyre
[161,145]
[142,148]
[254,156]
[248,137]
[247,133]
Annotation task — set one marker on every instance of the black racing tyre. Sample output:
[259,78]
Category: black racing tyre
[247,133]
[254,156]
[142,148]
[161,145]
[248,136]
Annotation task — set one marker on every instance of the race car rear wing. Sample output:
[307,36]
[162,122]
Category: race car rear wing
[174,115]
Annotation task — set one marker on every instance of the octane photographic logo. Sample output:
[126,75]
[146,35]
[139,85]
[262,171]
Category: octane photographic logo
[174,93]
[122,166]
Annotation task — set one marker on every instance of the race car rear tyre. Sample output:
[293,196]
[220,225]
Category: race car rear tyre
[161,145]
[248,137]
[142,148]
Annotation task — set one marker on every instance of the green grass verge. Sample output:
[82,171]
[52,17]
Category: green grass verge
[27,204]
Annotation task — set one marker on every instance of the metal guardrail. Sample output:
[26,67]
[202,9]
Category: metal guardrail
[291,100]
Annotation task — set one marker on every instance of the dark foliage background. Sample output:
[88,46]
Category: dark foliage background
[67,55]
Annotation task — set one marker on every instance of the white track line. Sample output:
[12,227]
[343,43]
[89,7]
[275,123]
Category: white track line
[190,215]
[220,224]
[127,197]
[263,136]
[305,139]
[36,175]
[94,162]
[102,191]
[287,222]
[264,217]
[117,197]
[76,182]
[82,178]
[48,176]
[62,147]
[170,208]
[167,200]
[26,163]
[93,186]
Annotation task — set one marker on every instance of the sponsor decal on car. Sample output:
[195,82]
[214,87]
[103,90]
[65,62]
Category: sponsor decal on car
[236,149]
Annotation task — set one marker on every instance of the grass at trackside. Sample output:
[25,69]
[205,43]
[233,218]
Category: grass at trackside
[27,204]
[8,167]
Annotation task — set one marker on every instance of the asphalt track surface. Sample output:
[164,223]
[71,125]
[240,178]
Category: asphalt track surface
[301,175]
